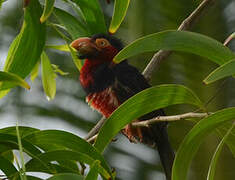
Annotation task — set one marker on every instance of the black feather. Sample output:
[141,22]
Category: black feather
[127,81]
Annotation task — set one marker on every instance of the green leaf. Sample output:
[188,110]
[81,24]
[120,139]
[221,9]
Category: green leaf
[48,77]
[66,176]
[23,170]
[195,137]
[60,155]
[59,139]
[221,131]
[93,15]
[74,27]
[119,13]
[48,8]
[14,79]
[34,72]
[23,130]
[76,61]
[212,167]
[64,47]
[178,41]
[93,173]
[227,69]
[7,167]
[25,50]
[33,178]
[138,105]
[56,69]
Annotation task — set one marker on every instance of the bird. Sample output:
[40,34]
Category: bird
[109,84]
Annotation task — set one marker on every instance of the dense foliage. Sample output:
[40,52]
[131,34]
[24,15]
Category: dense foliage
[30,50]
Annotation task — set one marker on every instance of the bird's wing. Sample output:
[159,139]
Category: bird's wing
[128,81]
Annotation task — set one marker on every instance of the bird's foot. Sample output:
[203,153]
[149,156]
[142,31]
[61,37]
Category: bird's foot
[134,134]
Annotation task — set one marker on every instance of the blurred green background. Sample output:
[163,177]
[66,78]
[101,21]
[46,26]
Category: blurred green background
[69,112]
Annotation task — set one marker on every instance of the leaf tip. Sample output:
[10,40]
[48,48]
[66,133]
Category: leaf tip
[42,19]
[112,30]
[205,82]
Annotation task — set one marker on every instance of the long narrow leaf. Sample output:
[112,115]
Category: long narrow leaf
[25,50]
[119,13]
[46,138]
[93,173]
[63,47]
[74,27]
[212,167]
[14,79]
[178,41]
[48,8]
[59,155]
[48,77]
[34,72]
[7,167]
[64,176]
[227,69]
[93,15]
[195,137]
[138,105]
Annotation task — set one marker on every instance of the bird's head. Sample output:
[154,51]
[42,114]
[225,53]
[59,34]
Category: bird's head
[100,47]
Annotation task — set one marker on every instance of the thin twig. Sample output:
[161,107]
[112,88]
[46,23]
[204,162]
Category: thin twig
[185,25]
[168,118]
[92,139]
[95,129]
[148,122]
[229,39]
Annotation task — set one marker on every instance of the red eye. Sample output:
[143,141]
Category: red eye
[102,43]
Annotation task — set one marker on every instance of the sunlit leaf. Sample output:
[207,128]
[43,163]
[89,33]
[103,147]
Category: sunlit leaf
[178,41]
[138,105]
[66,176]
[74,27]
[63,47]
[195,137]
[76,61]
[93,173]
[25,50]
[34,72]
[119,13]
[93,15]
[48,8]
[48,77]
[56,69]
[14,79]
[227,69]
[212,167]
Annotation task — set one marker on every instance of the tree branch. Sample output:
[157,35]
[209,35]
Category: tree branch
[148,122]
[95,129]
[185,25]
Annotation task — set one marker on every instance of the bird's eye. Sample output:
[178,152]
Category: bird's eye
[102,43]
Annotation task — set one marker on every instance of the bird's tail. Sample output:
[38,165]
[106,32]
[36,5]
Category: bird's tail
[165,150]
[156,135]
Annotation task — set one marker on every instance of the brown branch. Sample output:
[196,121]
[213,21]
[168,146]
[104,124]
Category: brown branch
[185,25]
[92,139]
[95,129]
[229,39]
[148,122]
[169,118]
